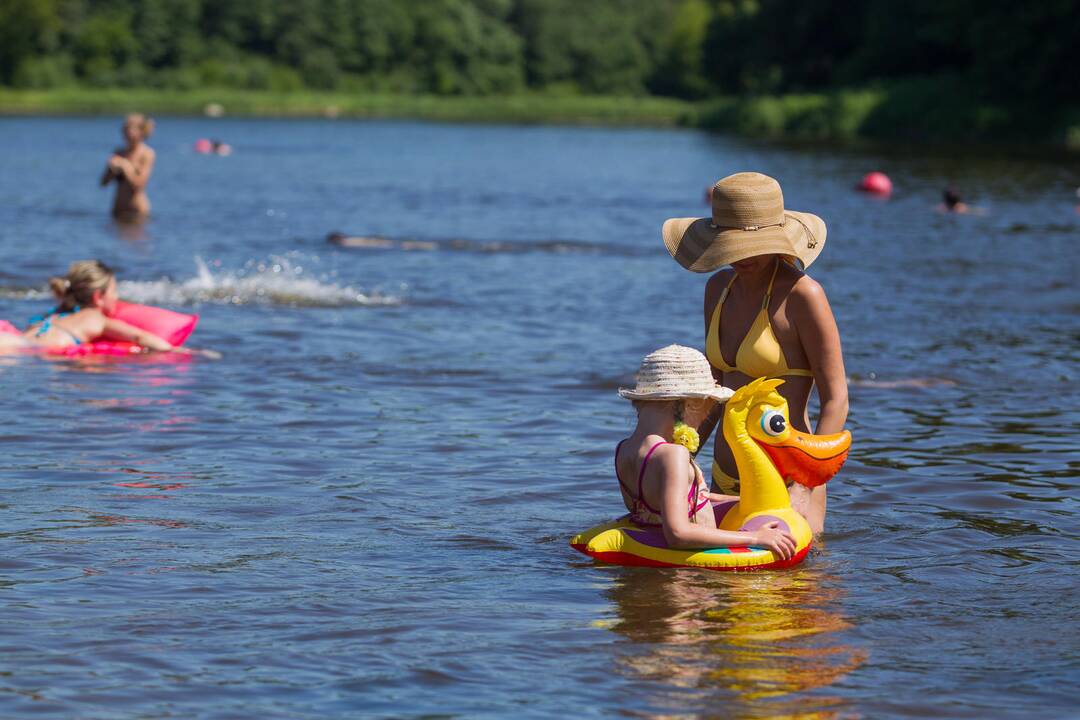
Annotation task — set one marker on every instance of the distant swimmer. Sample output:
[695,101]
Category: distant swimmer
[871,381]
[130,167]
[952,203]
[374,242]
[205,146]
[86,299]
[358,241]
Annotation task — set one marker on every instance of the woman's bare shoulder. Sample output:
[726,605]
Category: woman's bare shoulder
[807,295]
[807,286]
[719,279]
[88,321]
[716,284]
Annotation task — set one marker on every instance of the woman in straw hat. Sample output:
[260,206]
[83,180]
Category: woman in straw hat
[661,484]
[764,316]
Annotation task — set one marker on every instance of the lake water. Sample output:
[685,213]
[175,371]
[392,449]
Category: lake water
[363,508]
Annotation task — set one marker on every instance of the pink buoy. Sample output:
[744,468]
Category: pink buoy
[875,182]
[203,146]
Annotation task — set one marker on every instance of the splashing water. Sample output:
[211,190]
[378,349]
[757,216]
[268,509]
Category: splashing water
[279,280]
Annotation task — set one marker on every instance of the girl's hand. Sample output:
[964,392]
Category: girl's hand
[779,541]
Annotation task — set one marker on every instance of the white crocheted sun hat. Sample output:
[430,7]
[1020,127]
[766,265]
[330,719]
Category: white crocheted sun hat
[675,372]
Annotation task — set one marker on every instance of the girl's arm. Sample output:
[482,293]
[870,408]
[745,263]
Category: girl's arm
[120,330]
[672,464]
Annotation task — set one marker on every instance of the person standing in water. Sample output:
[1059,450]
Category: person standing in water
[764,316]
[130,168]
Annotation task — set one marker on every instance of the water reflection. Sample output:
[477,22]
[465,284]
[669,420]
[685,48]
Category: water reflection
[743,645]
[133,232]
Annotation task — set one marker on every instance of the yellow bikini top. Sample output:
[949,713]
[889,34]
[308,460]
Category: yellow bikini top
[759,353]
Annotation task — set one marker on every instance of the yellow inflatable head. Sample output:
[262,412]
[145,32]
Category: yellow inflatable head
[758,413]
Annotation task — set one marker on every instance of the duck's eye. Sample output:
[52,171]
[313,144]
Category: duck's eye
[773,423]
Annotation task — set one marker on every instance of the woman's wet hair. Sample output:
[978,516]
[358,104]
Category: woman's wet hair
[77,288]
[145,124]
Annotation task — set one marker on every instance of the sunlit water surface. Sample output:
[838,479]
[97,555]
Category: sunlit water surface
[364,507]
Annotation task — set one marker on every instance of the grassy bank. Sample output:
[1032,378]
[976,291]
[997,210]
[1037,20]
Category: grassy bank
[596,110]
[930,109]
[940,109]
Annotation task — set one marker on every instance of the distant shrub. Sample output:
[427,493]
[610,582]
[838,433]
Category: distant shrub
[42,73]
[319,69]
[285,79]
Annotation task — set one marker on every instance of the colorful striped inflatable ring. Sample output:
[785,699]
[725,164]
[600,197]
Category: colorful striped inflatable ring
[767,451]
[621,542]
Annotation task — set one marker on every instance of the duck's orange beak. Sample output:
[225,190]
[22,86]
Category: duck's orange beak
[807,459]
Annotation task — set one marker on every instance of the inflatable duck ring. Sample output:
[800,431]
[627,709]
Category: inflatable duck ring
[767,452]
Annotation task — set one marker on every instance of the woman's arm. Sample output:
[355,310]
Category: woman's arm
[820,338]
[672,463]
[714,288]
[120,330]
[138,172]
[110,173]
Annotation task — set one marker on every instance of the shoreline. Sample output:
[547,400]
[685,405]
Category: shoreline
[600,110]
[916,112]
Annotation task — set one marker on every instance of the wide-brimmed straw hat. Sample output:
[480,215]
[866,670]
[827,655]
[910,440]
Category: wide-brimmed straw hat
[748,219]
[675,372]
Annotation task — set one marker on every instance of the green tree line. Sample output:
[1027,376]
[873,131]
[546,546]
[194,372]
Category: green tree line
[1017,53]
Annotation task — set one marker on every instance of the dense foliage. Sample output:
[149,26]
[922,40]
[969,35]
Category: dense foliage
[1009,52]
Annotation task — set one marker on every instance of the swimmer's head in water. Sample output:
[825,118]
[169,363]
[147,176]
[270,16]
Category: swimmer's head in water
[88,283]
[950,197]
[137,127]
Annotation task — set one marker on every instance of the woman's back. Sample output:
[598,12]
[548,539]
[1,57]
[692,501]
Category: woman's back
[60,329]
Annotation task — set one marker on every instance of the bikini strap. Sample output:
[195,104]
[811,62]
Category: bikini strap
[641,477]
[49,316]
[768,291]
[715,322]
[727,289]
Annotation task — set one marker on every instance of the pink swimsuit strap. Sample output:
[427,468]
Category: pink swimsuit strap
[640,498]
[641,477]
[691,497]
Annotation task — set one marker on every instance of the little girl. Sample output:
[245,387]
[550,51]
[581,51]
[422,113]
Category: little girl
[86,298]
[661,484]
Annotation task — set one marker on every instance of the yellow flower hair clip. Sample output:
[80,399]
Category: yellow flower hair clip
[686,436]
